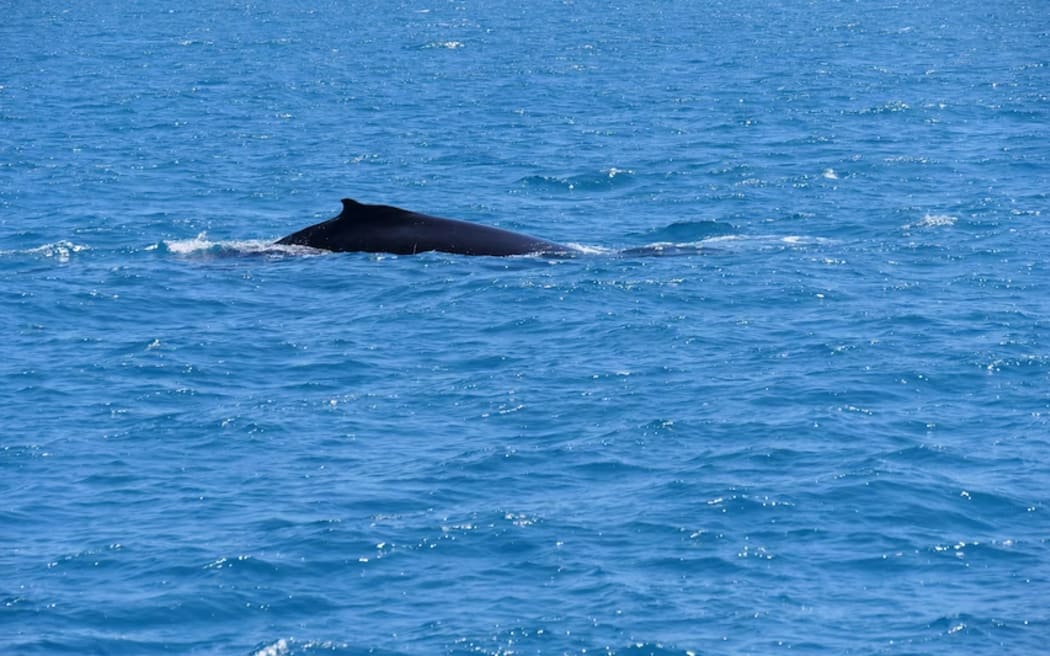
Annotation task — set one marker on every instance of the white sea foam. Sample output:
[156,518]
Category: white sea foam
[202,245]
[933,221]
[60,250]
[285,646]
[590,250]
[278,648]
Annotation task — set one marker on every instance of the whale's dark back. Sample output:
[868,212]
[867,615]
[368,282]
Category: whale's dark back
[387,229]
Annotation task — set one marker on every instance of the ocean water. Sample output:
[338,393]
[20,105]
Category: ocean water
[793,398]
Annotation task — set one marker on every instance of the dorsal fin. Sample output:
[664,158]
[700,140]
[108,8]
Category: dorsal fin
[350,207]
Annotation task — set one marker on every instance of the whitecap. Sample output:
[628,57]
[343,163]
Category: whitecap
[933,221]
[60,250]
[279,648]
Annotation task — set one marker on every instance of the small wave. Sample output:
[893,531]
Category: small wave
[60,250]
[689,231]
[278,648]
[933,221]
[609,178]
[665,249]
[789,240]
[652,649]
[292,647]
[721,243]
[442,45]
[890,107]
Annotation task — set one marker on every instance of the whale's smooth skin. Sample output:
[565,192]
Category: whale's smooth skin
[387,229]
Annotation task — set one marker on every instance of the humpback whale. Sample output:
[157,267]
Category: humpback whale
[388,229]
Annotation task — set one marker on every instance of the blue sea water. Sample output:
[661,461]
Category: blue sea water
[794,397]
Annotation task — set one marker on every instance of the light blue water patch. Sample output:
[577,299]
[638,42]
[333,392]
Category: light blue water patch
[792,397]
